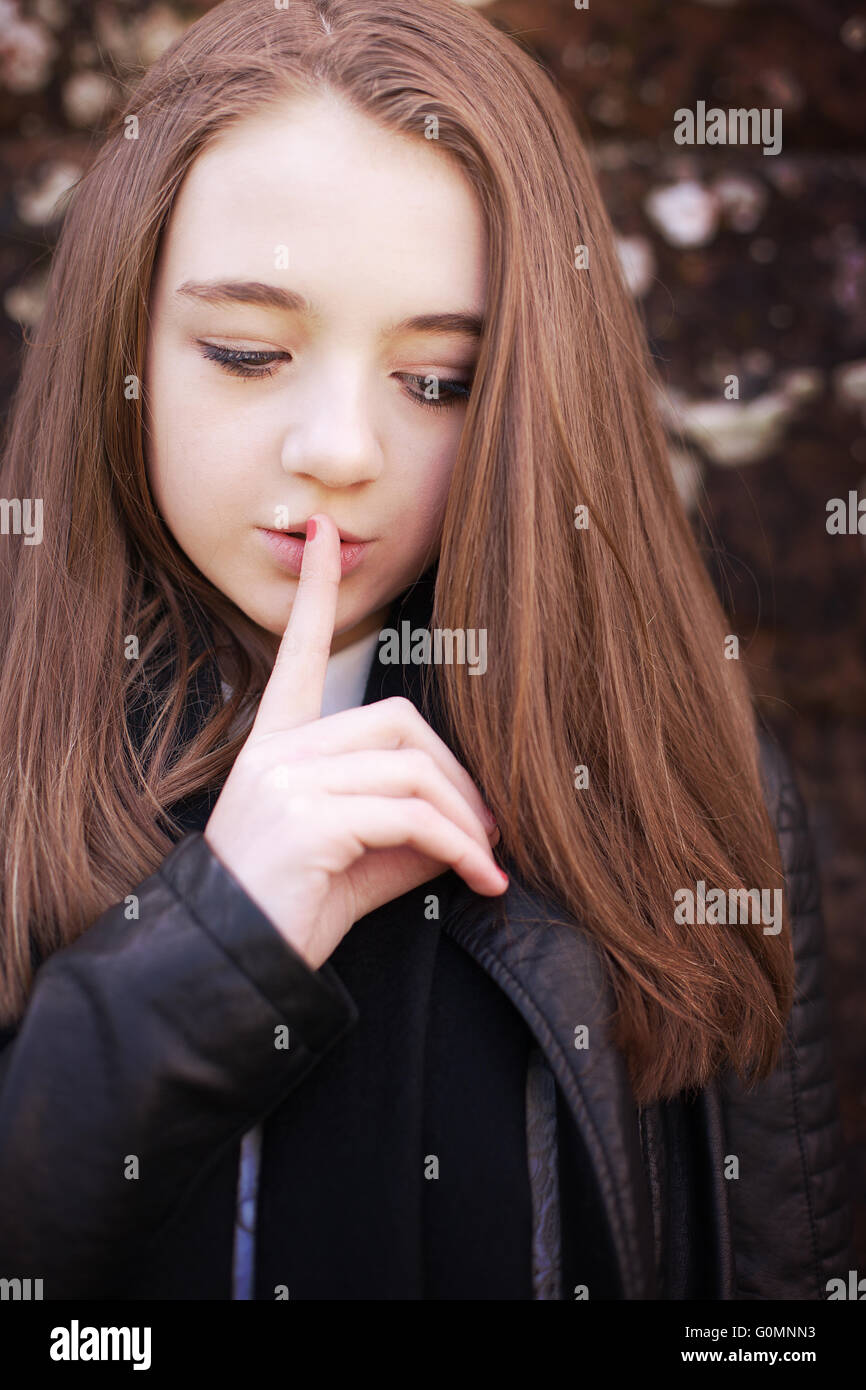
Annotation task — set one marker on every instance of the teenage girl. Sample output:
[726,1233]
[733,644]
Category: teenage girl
[335,341]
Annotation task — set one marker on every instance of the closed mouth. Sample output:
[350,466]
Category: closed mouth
[300,533]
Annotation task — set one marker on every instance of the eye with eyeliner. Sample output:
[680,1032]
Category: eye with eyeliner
[250,365]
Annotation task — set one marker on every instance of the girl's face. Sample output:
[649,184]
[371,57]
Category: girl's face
[382,238]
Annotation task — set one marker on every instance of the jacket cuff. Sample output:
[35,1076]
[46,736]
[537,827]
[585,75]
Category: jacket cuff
[316,1001]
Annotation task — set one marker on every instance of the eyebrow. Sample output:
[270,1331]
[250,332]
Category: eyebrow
[223,292]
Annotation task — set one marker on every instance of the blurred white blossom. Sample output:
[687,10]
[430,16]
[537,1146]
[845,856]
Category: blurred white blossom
[802,383]
[638,263]
[686,213]
[686,470]
[86,97]
[742,200]
[36,203]
[25,302]
[849,383]
[156,29]
[27,51]
[734,432]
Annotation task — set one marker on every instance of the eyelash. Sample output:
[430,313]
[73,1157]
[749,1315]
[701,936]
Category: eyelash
[242,363]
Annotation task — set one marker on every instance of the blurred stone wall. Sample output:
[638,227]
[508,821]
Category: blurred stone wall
[745,265]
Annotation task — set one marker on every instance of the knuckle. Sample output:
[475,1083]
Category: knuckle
[420,764]
[418,814]
[401,706]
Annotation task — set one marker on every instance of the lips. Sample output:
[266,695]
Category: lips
[300,531]
[288,549]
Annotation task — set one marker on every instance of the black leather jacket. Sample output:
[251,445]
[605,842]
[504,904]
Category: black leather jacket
[143,1038]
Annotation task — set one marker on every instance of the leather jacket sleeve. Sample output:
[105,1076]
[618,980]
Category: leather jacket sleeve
[146,1046]
[790,1205]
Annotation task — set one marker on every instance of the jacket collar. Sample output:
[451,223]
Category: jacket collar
[553,973]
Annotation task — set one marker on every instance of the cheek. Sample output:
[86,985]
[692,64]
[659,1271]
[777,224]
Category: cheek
[192,490]
[197,453]
[422,490]
[439,467]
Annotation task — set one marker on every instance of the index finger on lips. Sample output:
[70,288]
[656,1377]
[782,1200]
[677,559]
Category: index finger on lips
[293,694]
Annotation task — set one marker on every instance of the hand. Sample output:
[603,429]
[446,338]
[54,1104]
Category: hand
[323,820]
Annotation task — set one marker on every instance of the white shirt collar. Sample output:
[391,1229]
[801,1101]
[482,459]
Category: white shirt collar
[345,676]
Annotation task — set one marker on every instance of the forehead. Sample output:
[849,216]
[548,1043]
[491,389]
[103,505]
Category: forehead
[353,205]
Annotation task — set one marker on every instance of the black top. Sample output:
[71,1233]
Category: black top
[407,1175]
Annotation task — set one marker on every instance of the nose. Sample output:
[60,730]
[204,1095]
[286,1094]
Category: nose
[331,437]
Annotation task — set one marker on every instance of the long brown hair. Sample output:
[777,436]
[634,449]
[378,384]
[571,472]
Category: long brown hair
[606,641]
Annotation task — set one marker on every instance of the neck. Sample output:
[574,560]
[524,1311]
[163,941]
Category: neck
[372,623]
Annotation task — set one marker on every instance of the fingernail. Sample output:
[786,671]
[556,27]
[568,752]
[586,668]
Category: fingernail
[489,816]
[311,529]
